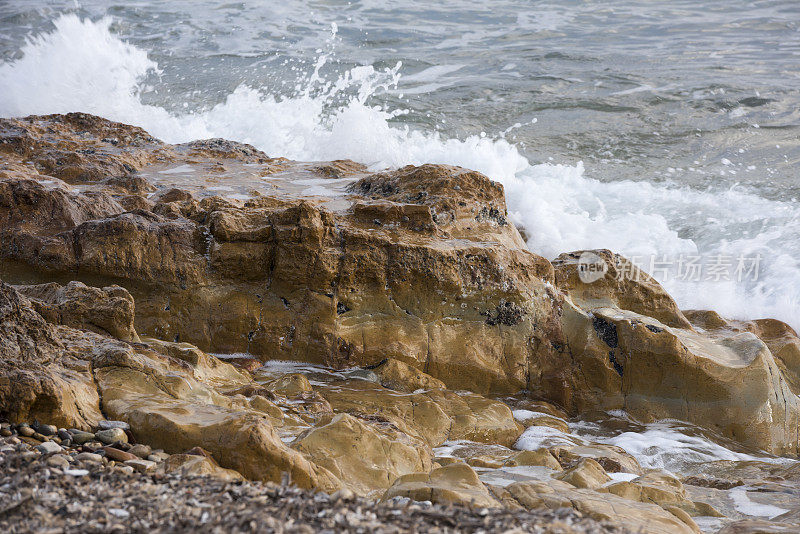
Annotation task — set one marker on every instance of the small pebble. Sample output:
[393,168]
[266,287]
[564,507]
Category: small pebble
[108,425]
[48,447]
[89,457]
[118,455]
[76,472]
[142,451]
[143,466]
[343,494]
[112,435]
[119,512]
[58,460]
[128,470]
[80,437]
[25,430]
[46,430]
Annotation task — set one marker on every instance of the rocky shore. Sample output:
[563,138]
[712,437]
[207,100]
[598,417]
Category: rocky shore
[207,320]
[46,495]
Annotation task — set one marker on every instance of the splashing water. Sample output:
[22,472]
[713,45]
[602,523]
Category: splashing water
[83,66]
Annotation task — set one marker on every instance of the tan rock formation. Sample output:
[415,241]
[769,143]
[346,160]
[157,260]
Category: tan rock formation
[726,381]
[41,377]
[109,310]
[418,265]
[661,489]
[587,474]
[455,483]
[193,465]
[634,516]
[400,376]
[367,458]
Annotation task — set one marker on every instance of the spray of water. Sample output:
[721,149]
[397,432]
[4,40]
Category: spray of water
[82,66]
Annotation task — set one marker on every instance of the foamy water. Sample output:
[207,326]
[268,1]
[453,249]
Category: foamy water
[342,112]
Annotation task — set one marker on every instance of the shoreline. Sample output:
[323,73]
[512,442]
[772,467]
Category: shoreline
[434,353]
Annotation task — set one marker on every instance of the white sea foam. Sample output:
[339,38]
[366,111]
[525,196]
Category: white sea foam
[662,445]
[83,66]
[745,505]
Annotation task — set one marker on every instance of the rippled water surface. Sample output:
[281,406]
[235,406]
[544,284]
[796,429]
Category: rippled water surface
[657,129]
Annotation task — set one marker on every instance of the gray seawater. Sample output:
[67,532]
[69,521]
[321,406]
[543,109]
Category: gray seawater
[659,129]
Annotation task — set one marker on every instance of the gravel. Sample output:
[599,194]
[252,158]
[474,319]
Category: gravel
[36,497]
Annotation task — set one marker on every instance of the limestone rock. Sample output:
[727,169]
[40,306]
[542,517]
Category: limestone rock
[541,457]
[663,490]
[109,310]
[780,338]
[758,526]
[365,457]
[680,374]
[588,474]
[400,376]
[633,516]
[635,350]
[39,378]
[613,459]
[435,415]
[193,465]
[624,286]
[419,264]
[289,385]
[455,483]
[176,413]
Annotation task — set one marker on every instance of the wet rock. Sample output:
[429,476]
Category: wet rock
[613,459]
[636,350]
[541,457]
[662,489]
[214,254]
[758,526]
[434,415]
[623,286]
[289,385]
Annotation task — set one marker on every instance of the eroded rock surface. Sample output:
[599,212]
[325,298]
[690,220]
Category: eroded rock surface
[400,316]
